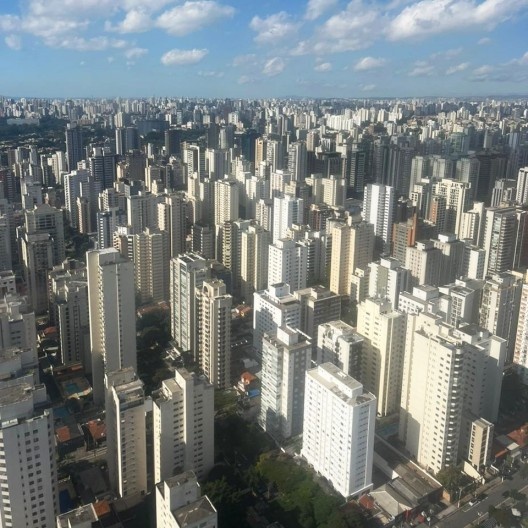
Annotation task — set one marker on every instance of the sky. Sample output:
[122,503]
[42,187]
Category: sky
[263,48]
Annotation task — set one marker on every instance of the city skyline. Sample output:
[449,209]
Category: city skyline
[315,48]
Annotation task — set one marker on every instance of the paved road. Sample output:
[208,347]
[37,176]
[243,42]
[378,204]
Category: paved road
[467,514]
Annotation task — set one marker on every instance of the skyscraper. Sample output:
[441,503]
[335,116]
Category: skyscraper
[28,467]
[287,211]
[186,442]
[286,356]
[451,377]
[187,274]
[74,145]
[214,332]
[378,210]
[126,435]
[287,263]
[338,436]
[383,348]
[352,248]
[111,299]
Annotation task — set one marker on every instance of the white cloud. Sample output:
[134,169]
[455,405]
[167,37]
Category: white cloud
[368,87]
[245,79]
[323,67]
[316,8]
[83,44]
[274,66]
[369,63]
[447,54]
[193,16]
[273,29]
[210,73]
[431,17]
[135,53]
[457,68]
[421,69]
[178,57]
[135,21]
[352,29]
[14,42]
[241,60]
[483,41]
[110,59]
[513,71]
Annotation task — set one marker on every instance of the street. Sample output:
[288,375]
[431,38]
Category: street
[467,514]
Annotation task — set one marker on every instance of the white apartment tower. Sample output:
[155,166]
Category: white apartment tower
[172,212]
[183,418]
[499,310]
[383,329]
[111,300]
[424,261]
[287,263]
[214,332]
[286,357]
[352,248]
[187,274]
[340,344]
[387,279]
[226,201]
[287,211]
[180,504]
[151,265]
[28,471]
[522,186]
[273,308]
[339,422]
[254,254]
[126,434]
[520,356]
[378,210]
[451,377]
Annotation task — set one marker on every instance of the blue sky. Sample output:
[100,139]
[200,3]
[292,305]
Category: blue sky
[273,48]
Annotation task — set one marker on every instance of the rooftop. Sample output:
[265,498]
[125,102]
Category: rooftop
[195,512]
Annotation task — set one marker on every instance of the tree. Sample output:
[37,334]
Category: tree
[451,478]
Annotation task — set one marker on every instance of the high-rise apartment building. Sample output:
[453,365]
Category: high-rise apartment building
[180,504]
[352,248]
[318,305]
[378,210]
[183,420]
[424,261]
[172,218]
[339,422]
[451,377]
[111,299]
[286,356]
[273,308]
[340,344]
[187,274]
[151,265]
[387,279]
[214,332]
[126,435]
[28,469]
[287,211]
[74,145]
[383,330]
[254,254]
[74,323]
[499,309]
[520,356]
[287,263]
[44,219]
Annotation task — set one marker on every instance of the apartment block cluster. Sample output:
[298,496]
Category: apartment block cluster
[381,247]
